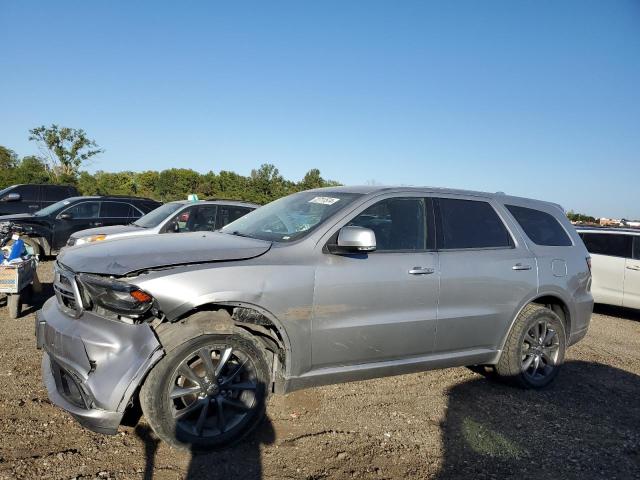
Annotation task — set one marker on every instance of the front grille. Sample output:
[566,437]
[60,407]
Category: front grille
[67,386]
[66,291]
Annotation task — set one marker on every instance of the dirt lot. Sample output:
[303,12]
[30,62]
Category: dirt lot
[442,424]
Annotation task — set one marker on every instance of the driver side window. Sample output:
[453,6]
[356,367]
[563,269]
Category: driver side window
[84,210]
[399,223]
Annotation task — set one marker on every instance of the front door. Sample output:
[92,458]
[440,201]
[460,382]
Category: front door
[82,215]
[382,305]
[632,277]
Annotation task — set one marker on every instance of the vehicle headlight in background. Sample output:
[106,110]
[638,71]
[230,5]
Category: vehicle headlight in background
[90,239]
[117,297]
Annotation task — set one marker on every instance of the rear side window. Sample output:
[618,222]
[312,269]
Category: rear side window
[540,227]
[610,244]
[53,193]
[471,224]
[116,210]
[636,247]
[228,214]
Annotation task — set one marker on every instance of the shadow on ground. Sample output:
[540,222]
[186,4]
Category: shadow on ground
[586,425]
[620,312]
[242,460]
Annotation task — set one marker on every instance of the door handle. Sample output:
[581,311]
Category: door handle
[97,224]
[34,206]
[521,266]
[422,271]
[633,267]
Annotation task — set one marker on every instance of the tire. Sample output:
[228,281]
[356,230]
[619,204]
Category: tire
[191,419]
[14,302]
[534,350]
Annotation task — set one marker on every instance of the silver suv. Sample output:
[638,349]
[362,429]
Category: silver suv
[323,286]
[173,217]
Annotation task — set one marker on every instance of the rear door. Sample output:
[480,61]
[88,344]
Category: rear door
[486,273]
[381,305]
[50,194]
[115,213]
[609,252]
[229,213]
[83,215]
[632,276]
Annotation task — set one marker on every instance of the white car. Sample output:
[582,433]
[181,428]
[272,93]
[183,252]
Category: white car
[615,265]
[172,217]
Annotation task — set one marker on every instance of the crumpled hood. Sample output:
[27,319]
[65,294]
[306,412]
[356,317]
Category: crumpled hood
[111,230]
[122,256]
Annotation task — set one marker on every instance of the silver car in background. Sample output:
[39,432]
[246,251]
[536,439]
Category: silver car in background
[323,286]
[173,217]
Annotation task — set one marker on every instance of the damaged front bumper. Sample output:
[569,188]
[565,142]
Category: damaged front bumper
[92,365]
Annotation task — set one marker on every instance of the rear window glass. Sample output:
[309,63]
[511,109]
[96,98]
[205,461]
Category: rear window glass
[116,210]
[611,244]
[540,227]
[471,224]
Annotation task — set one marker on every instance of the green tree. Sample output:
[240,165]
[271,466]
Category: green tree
[8,163]
[67,149]
[32,169]
[177,183]
[87,184]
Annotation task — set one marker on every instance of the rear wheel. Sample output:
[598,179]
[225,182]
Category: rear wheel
[208,392]
[535,348]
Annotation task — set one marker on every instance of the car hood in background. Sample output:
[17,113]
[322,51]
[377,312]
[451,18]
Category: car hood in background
[112,230]
[130,254]
[17,216]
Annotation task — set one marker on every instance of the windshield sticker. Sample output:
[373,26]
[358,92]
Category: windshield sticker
[324,200]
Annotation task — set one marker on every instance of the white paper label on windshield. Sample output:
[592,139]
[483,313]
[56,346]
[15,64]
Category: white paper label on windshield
[324,200]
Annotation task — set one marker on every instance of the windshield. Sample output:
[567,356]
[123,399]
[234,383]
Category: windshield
[53,208]
[155,217]
[290,218]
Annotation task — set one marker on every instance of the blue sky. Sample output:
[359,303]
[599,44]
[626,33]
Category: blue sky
[540,99]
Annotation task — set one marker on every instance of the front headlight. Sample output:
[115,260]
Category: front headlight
[91,239]
[117,297]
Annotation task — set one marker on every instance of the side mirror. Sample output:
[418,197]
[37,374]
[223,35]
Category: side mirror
[354,240]
[65,216]
[11,197]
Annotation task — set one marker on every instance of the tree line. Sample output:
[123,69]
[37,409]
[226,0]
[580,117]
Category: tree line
[66,151]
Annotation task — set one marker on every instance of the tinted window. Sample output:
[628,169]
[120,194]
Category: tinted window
[28,193]
[116,210]
[611,244]
[84,210]
[636,247]
[399,223]
[227,214]
[53,193]
[471,224]
[540,227]
[203,218]
[181,221]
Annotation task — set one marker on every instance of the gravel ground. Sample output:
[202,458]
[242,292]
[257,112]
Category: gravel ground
[442,424]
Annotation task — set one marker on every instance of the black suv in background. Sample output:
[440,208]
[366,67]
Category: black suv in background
[30,198]
[50,228]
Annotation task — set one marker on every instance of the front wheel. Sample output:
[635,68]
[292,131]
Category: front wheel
[208,392]
[534,350]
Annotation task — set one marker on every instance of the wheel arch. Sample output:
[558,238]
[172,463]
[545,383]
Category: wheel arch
[550,300]
[252,318]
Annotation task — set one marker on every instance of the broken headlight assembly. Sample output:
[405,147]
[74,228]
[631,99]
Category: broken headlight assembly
[116,297]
